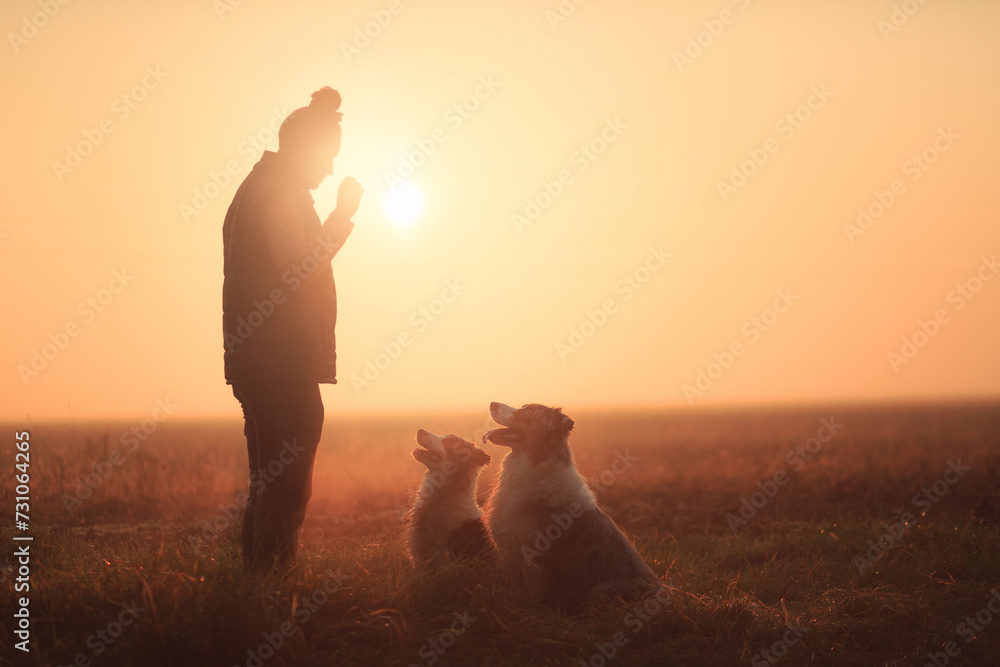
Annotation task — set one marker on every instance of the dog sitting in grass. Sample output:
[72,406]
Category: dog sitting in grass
[445,522]
[545,521]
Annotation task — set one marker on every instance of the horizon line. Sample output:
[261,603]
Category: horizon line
[646,409]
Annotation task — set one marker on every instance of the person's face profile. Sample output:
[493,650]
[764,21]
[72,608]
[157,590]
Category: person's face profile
[319,158]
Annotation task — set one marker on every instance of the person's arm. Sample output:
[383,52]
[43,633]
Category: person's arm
[339,225]
[285,230]
[336,229]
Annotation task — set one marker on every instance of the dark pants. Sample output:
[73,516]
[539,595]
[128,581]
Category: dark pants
[283,423]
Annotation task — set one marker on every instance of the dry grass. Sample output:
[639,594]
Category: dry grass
[732,594]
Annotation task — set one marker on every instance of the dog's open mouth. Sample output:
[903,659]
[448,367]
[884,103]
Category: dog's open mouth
[504,436]
[426,456]
[433,451]
[509,435]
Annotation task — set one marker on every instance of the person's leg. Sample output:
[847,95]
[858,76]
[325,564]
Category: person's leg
[288,420]
[250,431]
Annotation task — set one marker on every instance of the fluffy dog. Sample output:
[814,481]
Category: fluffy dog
[545,521]
[445,520]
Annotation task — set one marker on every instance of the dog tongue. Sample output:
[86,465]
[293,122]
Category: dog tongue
[489,433]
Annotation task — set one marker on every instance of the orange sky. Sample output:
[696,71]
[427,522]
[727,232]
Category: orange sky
[672,97]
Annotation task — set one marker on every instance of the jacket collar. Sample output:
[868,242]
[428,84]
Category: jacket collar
[275,164]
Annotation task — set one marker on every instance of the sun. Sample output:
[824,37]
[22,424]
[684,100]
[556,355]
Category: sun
[404,203]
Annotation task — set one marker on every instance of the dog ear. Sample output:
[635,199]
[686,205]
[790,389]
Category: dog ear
[567,423]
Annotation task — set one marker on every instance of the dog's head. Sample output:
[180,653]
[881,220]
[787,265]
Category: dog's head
[444,451]
[539,432]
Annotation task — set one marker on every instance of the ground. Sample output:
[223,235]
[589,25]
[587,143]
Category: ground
[773,548]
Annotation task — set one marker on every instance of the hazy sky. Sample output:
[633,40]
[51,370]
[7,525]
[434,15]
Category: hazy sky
[697,168]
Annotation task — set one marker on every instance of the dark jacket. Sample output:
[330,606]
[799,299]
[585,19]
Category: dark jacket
[276,322]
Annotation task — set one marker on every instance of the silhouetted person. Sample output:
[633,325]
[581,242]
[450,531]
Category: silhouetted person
[279,308]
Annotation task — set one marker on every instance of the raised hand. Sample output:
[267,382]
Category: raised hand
[348,198]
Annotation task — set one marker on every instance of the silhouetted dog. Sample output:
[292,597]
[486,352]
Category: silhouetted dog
[445,519]
[545,521]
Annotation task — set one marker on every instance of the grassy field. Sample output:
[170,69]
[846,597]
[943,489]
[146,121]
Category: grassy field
[772,555]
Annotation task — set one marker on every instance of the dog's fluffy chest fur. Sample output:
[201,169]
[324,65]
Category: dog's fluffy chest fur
[438,511]
[447,505]
[526,495]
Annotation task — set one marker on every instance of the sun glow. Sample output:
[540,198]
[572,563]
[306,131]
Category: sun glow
[404,203]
